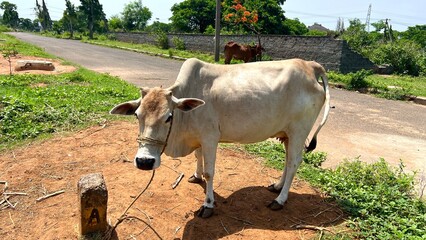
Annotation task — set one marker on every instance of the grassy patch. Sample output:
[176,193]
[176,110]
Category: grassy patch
[394,87]
[24,48]
[153,49]
[380,199]
[406,84]
[34,105]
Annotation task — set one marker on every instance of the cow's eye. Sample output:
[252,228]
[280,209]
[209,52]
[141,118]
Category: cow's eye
[169,118]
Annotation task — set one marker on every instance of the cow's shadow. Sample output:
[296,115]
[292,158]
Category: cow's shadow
[246,208]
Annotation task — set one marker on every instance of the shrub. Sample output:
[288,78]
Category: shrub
[162,40]
[378,197]
[405,57]
[179,43]
[357,79]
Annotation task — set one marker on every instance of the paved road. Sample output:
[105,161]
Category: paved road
[359,125]
[136,68]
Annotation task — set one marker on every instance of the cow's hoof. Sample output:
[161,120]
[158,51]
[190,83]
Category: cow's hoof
[271,188]
[275,206]
[205,212]
[194,179]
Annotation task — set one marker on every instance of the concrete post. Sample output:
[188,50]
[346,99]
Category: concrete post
[93,199]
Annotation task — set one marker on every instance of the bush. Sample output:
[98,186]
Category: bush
[353,81]
[4,28]
[357,79]
[378,197]
[405,57]
[162,40]
[179,43]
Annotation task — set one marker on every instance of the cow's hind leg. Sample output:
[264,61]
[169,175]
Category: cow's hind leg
[197,177]
[294,149]
[276,187]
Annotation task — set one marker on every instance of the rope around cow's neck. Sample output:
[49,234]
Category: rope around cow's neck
[149,140]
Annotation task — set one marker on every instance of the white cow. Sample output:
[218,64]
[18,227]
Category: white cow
[244,103]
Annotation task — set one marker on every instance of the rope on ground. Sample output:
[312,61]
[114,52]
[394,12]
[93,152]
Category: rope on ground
[123,216]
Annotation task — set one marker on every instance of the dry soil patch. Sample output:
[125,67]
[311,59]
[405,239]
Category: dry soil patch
[240,191]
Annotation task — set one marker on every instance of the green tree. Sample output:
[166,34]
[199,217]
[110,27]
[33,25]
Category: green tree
[193,15]
[416,34]
[115,23]
[43,16]
[157,26]
[356,35]
[58,26]
[10,14]
[295,27]
[26,24]
[93,13]
[405,56]
[379,26]
[135,16]
[70,17]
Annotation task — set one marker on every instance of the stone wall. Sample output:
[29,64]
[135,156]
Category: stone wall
[332,54]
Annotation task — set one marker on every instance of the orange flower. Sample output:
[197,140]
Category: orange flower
[247,13]
[255,18]
[237,7]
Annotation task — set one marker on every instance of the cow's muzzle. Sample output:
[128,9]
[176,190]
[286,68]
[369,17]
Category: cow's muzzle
[145,163]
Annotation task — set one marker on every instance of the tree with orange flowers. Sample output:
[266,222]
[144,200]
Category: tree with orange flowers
[266,16]
[239,15]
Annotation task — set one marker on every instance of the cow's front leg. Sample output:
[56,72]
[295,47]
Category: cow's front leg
[209,155]
[198,175]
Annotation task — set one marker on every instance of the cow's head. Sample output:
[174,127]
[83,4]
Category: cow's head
[154,111]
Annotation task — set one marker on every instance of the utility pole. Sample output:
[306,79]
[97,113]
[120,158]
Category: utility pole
[388,30]
[217,32]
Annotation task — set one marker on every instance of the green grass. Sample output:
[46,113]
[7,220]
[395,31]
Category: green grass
[22,47]
[411,85]
[379,199]
[153,49]
[34,105]
[394,87]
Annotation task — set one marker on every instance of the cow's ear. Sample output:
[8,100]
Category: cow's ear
[144,91]
[188,104]
[127,108]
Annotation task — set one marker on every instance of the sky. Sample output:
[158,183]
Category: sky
[402,14]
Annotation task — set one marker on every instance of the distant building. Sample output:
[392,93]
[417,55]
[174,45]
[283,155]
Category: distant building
[319,27]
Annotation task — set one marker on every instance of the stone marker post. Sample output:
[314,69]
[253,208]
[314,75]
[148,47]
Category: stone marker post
[93,199]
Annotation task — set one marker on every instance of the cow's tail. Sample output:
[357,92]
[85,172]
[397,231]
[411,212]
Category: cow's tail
[320,72]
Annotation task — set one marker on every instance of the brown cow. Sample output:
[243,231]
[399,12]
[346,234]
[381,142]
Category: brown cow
[241,52]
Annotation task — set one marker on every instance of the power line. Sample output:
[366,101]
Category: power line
[400,15]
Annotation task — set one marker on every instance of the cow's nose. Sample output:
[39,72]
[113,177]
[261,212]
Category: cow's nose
[145,163]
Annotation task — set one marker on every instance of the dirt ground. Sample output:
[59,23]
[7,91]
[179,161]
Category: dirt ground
[59,67]
[240,190]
